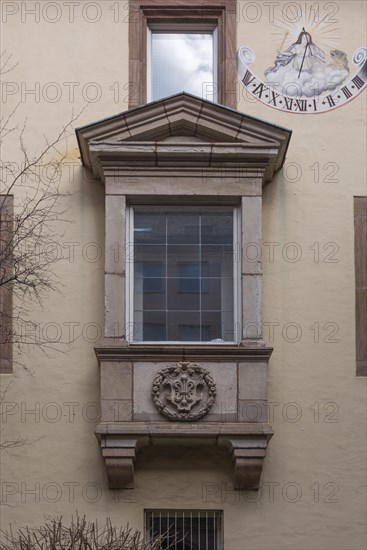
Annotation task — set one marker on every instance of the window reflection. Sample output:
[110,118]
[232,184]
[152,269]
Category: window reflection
[183,287]
[182,62]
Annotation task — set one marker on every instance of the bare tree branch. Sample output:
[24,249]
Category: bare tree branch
[80,535]
[30,235]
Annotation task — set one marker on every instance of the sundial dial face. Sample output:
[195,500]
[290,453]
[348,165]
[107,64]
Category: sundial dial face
[305,78]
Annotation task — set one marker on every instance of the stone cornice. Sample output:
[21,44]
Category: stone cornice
[225,134]
[184,430]
[210,152]
[244,159]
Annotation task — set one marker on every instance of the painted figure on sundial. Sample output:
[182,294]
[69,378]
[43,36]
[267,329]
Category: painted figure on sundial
[304,69]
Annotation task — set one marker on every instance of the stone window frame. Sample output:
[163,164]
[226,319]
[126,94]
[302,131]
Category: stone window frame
[237,294]
[222,15]
[360,261]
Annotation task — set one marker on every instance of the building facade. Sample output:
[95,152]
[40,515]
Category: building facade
[202,367]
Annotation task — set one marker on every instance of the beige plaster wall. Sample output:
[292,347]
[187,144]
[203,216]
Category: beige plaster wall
[313,484]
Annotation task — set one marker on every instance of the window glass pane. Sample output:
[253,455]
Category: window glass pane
[189,269]
[183,326]
[148,255]
[218,295]
[154,326]
[183,228]
[218,325]
[149,228]
[212,325]
[182,62]
[184,291]
[178,300]
[177,255]
[153,293]
[217,259]
[217,228]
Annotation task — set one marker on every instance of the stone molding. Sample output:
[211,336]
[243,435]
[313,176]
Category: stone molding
[108,351]
[219,132]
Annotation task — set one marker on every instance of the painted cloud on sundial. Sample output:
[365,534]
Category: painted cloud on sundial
[304,69]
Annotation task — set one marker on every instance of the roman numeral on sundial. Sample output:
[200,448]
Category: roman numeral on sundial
[358,82]
[346,92]
[247,78]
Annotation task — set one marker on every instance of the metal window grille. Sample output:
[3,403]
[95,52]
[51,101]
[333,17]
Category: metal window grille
[185,529]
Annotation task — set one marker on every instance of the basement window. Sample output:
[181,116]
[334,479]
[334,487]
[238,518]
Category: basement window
[185,529]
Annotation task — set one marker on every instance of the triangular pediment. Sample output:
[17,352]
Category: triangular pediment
[182,119]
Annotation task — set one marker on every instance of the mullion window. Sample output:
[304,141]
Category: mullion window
[183,273]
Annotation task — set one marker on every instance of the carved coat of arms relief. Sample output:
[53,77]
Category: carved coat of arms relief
[183,391]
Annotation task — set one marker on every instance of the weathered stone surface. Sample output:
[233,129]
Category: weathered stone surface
[115,234]
[252,307]
[114,305]
[116,380]
[251,215]
[252,410]
[252,380]
[116,410]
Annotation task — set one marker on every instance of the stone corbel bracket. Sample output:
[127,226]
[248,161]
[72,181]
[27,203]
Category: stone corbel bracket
[119,457]
[248,457]
[247,450]
[120,467]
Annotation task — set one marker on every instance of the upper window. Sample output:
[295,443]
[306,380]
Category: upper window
[182,61]
[182,280]
[175,48]
[185,530]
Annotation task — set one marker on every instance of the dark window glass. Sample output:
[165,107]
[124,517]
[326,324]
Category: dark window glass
[183,275]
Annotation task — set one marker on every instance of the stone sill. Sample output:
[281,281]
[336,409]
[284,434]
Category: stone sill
[174,352]
[185,429]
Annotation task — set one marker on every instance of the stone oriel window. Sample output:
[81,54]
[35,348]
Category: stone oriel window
[360,255]
[185,167]
[195,25]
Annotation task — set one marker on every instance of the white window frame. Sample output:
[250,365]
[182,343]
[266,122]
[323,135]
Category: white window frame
[237,295]
[181,28]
